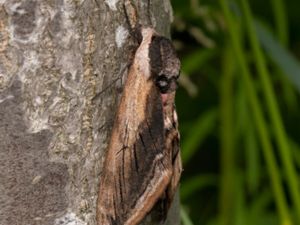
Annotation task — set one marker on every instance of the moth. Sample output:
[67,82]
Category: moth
[143,163]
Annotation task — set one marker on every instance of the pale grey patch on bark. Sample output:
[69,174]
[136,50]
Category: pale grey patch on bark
[55,57]
[121,36]
[69,219]
[112,4]
[31,187]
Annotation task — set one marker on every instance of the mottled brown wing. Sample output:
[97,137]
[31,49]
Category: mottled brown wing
[171,146]
[137,170]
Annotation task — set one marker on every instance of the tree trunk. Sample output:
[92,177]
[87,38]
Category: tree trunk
[55,57]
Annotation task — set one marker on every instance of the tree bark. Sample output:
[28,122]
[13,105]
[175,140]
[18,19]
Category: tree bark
[55,57]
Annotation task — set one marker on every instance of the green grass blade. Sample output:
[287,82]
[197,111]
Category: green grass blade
[198,132]
[285,60]
[190,186]
[258,115]
[273,109]
[185,219]
[193,61]
[253,161]
[227,132]
[281,20]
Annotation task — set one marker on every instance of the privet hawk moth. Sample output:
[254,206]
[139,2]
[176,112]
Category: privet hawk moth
[143,163]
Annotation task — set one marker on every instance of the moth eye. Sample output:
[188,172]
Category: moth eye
[163,83]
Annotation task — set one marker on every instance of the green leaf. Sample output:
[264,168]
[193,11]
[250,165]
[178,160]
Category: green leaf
[190,186]
[195,60]
[185,217]
[201,129]
[282,57]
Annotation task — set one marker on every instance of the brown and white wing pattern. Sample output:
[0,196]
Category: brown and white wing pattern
[144,145]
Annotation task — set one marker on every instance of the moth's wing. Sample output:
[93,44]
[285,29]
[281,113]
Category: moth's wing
[137,170]
[172,146]
[176,172]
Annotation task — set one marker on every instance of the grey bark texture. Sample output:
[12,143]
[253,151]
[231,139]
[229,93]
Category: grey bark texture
[55,57]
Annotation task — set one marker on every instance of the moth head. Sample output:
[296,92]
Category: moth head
[164,63]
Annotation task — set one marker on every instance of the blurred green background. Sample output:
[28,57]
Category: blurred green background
[238,106]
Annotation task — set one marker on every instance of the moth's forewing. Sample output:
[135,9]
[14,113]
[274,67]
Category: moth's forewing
[137,169]
[172,145]
[165,67]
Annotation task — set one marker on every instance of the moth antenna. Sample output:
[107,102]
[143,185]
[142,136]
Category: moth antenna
[132,20]
[149,13]
[131,14]
[121,76]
